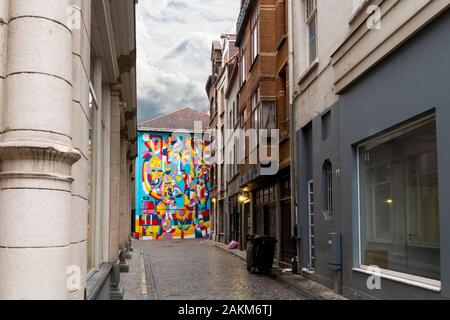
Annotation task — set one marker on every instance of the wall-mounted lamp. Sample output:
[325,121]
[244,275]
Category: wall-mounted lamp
[244,196]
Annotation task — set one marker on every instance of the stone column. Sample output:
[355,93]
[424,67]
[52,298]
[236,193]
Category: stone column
[98,162]
[128,210]
[133,196]
[114,192]
[278,228]
[36,153]
[106,168]
[4,17]
[80,139]
[123,234]
[123,193]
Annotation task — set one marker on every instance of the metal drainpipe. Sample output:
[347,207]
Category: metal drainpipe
[292,116]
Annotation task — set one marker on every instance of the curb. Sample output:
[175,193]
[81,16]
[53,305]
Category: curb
[278,276]
[303,291]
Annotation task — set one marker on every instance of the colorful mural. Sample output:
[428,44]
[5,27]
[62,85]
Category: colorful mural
[173,184]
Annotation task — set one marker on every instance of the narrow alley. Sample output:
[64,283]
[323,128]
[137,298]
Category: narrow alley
[208,151]
[197,270]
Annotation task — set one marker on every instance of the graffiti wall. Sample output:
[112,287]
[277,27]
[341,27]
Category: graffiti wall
[173,184]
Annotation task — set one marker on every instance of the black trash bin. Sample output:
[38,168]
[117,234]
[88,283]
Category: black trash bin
[260,254]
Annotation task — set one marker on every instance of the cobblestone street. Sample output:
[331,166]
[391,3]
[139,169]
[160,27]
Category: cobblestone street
[196,270]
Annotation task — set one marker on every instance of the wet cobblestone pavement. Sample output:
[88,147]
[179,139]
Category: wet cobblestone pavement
[195,270]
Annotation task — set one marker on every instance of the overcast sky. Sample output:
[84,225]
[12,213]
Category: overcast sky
[174,47]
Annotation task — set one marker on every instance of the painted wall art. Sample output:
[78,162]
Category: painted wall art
[173,186]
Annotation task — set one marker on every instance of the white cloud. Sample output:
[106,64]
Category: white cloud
[174,43]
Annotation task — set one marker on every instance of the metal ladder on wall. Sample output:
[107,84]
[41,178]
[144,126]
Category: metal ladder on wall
[312,257]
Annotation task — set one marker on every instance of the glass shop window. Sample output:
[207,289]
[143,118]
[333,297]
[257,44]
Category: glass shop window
[399,203]
[92,181]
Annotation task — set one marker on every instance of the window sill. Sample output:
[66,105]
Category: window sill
[308,71]
[424,283]
[97,281]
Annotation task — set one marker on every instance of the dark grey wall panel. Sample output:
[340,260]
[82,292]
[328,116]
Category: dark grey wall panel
[410,82]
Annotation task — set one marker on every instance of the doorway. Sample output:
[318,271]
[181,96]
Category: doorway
[287,246]
[247,225]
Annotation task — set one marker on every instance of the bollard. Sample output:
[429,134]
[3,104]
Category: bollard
[116,289]
[124,267]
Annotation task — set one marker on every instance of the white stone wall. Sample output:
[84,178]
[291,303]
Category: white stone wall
[347,47]
[316,91]
[4,18]
[222,212]
[45,153]
[115,182]
[107,170]
[221,122]
[123,188]
[232,99]
[36,151]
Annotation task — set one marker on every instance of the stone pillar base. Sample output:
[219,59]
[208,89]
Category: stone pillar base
[118,293]
[117,290]
[130,247]
[124,267]
[128,251]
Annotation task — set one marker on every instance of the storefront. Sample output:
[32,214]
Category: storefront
[265,210]
[287,243]
[272,216]
[377,175]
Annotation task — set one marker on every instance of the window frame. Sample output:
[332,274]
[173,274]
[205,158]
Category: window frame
[255,33]
[310,12]
[243,65]
[268,110]
[237,114]
[96,218]
[91,263]
[328,187]
[310,17]
[255,118]
[401,277]
[256,103]
[243,118]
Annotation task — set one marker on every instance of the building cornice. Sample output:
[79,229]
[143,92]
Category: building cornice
[242,20]
[167,130]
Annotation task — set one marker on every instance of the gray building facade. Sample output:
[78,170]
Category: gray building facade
[373,168]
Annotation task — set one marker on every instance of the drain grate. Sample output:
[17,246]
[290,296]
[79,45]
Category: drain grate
[151,283]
